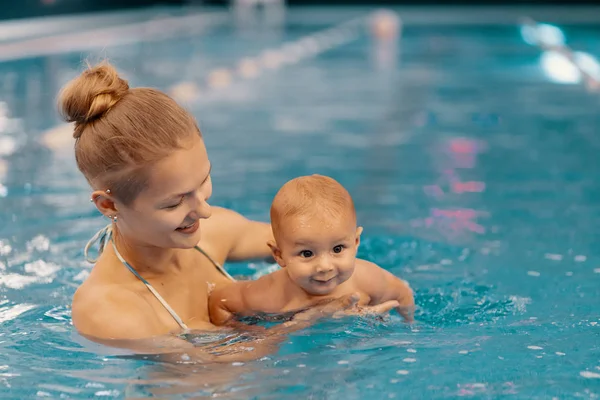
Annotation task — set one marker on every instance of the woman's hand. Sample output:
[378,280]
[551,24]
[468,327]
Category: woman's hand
[260,342]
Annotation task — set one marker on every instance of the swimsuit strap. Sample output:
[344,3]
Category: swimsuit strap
[151,289]
[218,266]
[101,237]
[105,234]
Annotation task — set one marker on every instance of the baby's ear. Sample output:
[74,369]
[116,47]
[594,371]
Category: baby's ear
[276,253]
[359,231]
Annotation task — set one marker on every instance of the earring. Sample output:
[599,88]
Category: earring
[107,191]
[114,219]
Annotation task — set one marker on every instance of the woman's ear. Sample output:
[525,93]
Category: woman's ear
[105,203]
[276,253]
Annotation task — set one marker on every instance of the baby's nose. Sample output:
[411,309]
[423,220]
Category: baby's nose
[324,266]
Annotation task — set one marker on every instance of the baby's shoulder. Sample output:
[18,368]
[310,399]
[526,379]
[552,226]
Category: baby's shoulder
[368,276]
[364,267]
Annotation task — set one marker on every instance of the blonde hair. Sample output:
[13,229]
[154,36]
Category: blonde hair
[310,195]
[119,132]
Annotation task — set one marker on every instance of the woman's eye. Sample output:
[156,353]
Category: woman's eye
[306,253]
[175,205]
[338,248]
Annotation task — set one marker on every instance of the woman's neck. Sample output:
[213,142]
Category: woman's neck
[147,260]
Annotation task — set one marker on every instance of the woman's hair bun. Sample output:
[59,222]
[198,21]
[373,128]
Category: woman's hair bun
[90,95]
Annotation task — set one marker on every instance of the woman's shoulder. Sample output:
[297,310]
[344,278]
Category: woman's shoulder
[229,235]
[109,310]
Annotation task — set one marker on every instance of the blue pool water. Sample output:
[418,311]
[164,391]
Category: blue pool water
[475,175]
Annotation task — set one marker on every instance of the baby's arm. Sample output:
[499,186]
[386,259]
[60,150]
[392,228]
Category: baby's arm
[383,286]
[224,302]
[244,298]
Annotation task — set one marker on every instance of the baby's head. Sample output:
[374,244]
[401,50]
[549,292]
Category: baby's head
[316,236]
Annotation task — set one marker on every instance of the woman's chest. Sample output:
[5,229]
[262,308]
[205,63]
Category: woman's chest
[182,294]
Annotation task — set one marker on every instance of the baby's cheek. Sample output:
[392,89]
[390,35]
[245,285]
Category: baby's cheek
[298,275]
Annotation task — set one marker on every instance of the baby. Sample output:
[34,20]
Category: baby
[316,240]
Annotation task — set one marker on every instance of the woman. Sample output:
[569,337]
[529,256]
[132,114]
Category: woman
[144,157]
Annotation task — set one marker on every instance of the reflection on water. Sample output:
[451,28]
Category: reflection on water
[473,175]
[457,154]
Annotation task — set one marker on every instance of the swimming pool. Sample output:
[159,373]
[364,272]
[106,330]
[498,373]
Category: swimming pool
[473,169]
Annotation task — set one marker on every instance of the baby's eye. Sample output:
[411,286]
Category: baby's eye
[338,248]
[306,253]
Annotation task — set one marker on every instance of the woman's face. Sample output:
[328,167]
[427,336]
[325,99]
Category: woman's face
[167,213]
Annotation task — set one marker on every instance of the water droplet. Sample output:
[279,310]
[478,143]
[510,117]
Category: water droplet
[590,374]
[553,257]
[111,393]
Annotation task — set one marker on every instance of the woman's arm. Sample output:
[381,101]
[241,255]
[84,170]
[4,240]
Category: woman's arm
[244,239]
[119,319]
[113,327]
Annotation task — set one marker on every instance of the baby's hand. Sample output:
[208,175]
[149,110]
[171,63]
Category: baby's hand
[344,306]
[376,310]
[406,302]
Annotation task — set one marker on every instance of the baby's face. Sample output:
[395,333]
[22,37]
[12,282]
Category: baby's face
[319,253]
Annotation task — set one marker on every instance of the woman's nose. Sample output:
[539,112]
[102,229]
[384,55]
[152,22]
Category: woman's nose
[202,208]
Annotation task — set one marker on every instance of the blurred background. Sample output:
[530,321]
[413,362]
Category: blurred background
[34,8]
[467,133]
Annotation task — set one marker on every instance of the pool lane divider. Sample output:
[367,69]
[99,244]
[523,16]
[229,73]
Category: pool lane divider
[383,24]
[551,39]
[100,38]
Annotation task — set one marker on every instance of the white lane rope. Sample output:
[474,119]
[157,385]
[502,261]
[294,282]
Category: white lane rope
[100,38]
